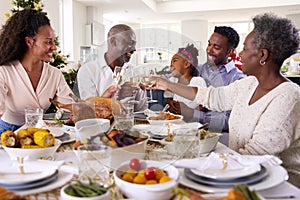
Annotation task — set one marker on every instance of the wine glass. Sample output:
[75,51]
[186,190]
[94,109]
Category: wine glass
[117,76]
[149,82]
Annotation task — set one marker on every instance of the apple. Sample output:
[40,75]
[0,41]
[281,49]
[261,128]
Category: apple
[135,164]
[150,173]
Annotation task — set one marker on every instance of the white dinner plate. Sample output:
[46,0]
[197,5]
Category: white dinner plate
[140,115]
[34,184]
[63,178]
[69,134]
[277,175]
[56,131]
[163,130]
[228,183]
[221,195]
[51,116]
[221,174]
[12,178]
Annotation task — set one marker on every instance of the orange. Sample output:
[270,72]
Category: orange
[139,179]
[164,179]
[151,182]
[132,172]
[141,173]
[127,177]
[159,173]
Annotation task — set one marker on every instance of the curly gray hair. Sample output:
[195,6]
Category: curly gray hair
[278,35]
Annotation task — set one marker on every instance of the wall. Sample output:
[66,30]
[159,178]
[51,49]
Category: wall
[5,7]
[296,19]
[197,31]
[52,9]
[79,32]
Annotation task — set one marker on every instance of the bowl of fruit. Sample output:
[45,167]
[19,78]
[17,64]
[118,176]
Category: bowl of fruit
[126,144]
[138,179]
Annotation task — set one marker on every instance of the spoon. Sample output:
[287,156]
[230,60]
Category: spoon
[204,126]
[109,130]
[167,106]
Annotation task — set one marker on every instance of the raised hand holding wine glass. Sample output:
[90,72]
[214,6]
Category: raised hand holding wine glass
[148,82]
[124,77]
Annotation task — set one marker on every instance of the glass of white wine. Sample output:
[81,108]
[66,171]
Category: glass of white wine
[117,76]
[148,82]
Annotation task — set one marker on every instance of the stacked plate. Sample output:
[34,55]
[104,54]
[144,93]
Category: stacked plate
[14,181]
[227,178]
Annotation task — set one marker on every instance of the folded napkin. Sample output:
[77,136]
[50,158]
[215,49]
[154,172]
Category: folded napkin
[70,161]
[64,161]
[12,166]
[227,161]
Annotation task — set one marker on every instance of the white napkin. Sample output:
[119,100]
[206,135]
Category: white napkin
[214,161]
[65,161]
[29,165]
[70,161]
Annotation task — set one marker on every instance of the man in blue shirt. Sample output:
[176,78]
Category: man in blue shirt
[218,71]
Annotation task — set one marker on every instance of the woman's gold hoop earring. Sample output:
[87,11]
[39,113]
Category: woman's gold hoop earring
[262,62]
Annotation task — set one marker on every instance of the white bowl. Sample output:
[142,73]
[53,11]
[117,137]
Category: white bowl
[149,192]
[209,144]
[122,154]
[65,196]
[46,153]
[162,122]
[90,127]
[205,145]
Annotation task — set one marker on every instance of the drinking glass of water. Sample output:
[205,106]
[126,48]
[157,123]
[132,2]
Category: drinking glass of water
[124,119]
[34,117]
[94,162]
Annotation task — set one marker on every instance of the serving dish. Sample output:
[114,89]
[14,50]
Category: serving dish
[66,196]
[165,118]
[151,192]
[33,153]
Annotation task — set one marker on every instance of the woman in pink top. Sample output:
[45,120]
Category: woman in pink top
[26,78]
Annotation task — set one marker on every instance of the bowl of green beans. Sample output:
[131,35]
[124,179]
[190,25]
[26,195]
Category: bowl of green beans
[80,190]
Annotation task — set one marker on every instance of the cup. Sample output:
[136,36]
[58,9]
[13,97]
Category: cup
[186,143]
[124,120]
[34,117]
[94,162]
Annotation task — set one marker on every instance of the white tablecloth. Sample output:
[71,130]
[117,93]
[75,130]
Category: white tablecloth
[283,190]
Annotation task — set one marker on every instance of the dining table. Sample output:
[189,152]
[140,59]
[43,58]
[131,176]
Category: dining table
[69,172]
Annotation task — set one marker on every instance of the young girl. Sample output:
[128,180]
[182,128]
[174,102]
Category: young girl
[183,68]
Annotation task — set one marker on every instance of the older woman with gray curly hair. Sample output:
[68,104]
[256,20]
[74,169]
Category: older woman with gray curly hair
[265,106]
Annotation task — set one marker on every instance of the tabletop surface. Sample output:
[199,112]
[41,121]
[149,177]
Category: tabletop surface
[282,191]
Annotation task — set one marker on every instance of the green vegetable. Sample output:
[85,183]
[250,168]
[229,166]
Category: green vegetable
[91,189]
[181,193]
[250,195]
